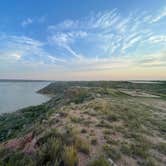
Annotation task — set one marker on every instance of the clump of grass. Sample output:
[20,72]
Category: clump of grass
[18,123]
[112,117]
[102,107]
[92,132]
[91,112]
[82,145]
[140,149]
[79,96]
[94,141]
[148,162]
[161,147]
[107,132]
[75,119]
[110,140]
[126,149]
[70,157]
[50,152]
[15,158]
[111,152]
[104,123]
[53,133]
[63,114]
[87,122]
[69,135]
[101,161]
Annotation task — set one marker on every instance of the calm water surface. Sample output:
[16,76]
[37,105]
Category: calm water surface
[15,95]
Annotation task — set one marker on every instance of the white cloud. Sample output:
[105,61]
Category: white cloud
[25,49]
[64,40]
[26,22]
[105,34]
[88,64]
[158,39]
[161,15]
[16,55]
[64,25]
[101,41]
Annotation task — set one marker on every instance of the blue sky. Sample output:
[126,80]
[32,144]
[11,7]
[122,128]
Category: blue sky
[83,40]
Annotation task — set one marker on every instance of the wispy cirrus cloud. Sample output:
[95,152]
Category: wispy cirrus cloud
[106,34]
[160,15]
[101,41]
[158,39]
[28,21]
[64,40]
[25,50]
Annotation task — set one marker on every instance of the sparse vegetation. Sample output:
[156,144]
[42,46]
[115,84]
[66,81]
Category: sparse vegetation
[82,145]
[82,117]
[161,147]
[94,141]
[101,161]
[70,157]
[112,152]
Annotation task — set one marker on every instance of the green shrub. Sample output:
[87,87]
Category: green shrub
[82,145]
[16,158]
[126,149]
[70,157]
[75,119]
[101,161]
[148,162]
[79,96]
[103,123]
[68,137]
[111,152]
[140,151]
[107,132]
[53,133]
[94,141]
[50,152]
[110,140]
[112,117]
[161,147]
[13,124]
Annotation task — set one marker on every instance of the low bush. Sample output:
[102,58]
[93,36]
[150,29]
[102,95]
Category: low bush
[75,119]
[110,140]
[15,158]
[94,141]
[161,147]
[112,117]
[111,152]
[50,153]
[70,157]
[101,161]
[82,145]
[126,149]
[104,123]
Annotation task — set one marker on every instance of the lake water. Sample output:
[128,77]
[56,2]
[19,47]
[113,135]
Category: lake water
[15,95]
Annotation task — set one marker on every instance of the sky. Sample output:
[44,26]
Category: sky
[83,39]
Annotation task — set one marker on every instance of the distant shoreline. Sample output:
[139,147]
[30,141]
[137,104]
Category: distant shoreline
[22,80]
[28,80]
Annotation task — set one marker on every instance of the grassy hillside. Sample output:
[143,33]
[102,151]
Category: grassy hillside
[89,124]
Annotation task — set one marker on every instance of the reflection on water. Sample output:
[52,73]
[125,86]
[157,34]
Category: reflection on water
[15,95]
